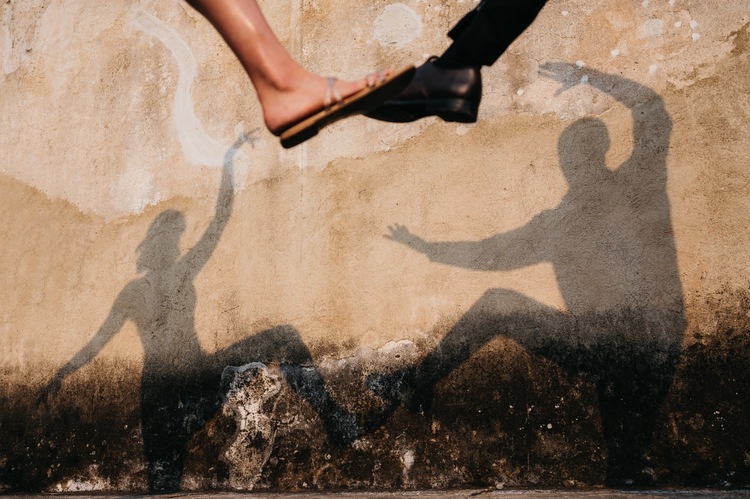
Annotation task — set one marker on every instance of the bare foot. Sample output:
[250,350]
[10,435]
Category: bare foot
[303,96]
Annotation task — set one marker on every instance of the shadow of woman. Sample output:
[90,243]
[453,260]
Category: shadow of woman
[180,381]
[611,244]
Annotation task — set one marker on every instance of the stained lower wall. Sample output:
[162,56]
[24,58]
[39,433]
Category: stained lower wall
[555,296]
[507,417]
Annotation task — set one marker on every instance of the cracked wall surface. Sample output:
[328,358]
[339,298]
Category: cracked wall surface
[556,295]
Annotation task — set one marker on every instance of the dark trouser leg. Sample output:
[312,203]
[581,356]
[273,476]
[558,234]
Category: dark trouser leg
[482,36]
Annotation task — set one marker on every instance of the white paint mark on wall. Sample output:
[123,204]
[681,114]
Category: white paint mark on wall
[584,78]
[565,13]
[652,69]
[671,2]
[652,27]
[397,26]
[645,4]
[614,53]
[199,148]
[693,25]
[408,461]
[678,24]
[88,485]
[580,64]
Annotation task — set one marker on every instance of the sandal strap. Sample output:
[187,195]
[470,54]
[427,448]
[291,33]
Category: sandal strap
[375,78]
[333,96]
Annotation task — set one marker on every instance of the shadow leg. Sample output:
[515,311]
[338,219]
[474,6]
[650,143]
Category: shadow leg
[164,438]
[497,313]
[283,344]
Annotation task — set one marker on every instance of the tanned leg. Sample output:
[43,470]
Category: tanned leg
[287,91]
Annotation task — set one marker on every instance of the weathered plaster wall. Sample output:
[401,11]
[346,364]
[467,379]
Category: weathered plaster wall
[603,299]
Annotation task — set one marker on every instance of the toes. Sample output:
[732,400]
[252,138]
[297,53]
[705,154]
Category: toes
[378,77]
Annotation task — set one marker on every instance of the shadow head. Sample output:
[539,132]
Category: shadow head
[160,248]
[582,147]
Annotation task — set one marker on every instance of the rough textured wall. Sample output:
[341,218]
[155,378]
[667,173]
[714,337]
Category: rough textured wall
[557,295]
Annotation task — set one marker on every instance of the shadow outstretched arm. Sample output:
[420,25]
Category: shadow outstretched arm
[107,331]
[506,251]
[199,254]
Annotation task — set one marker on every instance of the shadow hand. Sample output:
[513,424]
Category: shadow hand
[565,73]
[401,234]
[242,138]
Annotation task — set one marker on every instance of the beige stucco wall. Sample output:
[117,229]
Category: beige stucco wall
[113,112]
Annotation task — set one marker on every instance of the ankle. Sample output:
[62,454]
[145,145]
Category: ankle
[288,79]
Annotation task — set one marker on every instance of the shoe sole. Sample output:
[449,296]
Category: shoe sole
[450,110]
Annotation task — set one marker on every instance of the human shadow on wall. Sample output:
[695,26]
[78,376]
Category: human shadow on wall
[611,244]
[180,381]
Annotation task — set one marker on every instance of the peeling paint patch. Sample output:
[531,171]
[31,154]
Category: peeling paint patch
[462,130]
[135,191]
[82,486]
[652,27]
[693,25]
[407,459]
[247,389]
[397,26]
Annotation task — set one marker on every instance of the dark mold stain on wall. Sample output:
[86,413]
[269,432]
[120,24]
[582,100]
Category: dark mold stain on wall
[506,417]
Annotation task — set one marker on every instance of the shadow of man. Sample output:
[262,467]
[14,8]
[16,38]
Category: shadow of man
[611,244]
[180,381]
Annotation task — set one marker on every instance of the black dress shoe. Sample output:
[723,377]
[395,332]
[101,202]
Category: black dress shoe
[452,94]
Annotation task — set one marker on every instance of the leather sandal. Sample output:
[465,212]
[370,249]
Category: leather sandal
[379,89]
